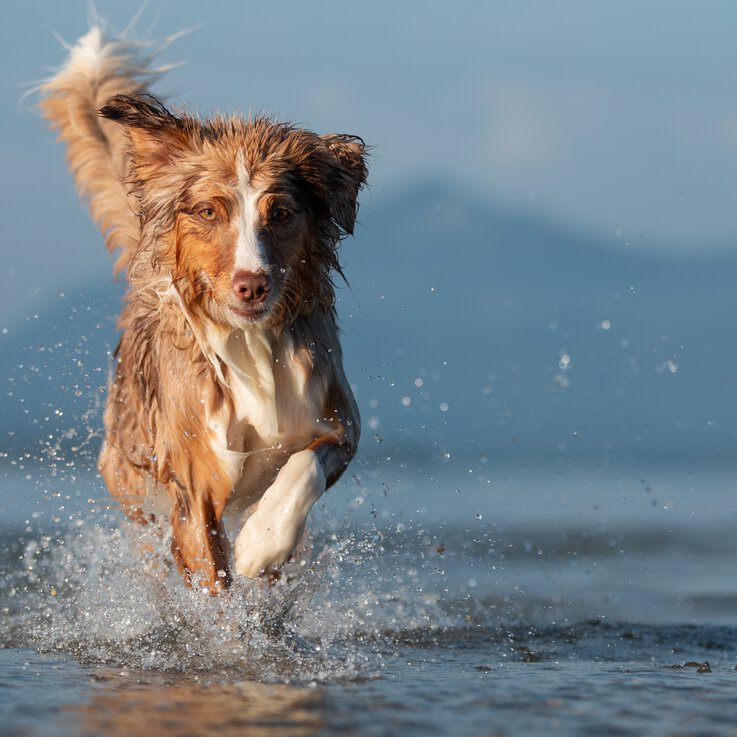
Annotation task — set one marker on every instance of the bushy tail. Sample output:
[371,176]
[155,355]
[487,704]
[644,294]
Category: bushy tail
[97,69]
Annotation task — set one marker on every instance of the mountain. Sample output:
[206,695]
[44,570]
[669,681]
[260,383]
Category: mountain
[469,331]
[541,339]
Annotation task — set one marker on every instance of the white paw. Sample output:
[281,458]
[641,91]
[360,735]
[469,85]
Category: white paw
[272,532]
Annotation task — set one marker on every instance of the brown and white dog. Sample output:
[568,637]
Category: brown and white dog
[229,387]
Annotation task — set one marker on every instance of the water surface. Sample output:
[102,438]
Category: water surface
[438,599]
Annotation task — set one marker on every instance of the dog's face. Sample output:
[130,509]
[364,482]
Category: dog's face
[241,237]
[248,213]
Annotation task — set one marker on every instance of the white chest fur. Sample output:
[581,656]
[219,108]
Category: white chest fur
[277,406]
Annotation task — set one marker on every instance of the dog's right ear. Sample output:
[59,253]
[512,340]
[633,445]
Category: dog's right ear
[157,136]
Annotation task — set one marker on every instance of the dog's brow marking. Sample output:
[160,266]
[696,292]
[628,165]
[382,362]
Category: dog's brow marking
[244,177]
[249,254]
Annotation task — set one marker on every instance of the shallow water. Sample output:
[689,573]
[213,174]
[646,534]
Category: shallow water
[444,599]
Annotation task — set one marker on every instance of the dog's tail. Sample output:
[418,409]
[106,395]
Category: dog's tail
[97,149]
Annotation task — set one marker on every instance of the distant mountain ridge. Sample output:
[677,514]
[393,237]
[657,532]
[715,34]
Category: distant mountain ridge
[469,330]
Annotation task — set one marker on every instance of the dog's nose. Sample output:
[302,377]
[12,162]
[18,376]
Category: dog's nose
[251,287]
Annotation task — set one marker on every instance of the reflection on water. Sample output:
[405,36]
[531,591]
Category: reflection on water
[151,705]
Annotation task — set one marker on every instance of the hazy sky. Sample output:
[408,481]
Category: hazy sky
[620,117]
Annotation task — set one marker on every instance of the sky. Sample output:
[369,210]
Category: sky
[616,118]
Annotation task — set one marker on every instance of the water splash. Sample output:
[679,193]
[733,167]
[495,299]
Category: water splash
[89,592]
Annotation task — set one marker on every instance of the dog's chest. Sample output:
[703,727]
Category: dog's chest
[277,407]
[271,390]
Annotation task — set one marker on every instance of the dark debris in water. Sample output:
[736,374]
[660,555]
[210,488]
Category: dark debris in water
[704,667]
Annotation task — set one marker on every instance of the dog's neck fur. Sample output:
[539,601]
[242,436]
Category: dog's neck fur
[247,359]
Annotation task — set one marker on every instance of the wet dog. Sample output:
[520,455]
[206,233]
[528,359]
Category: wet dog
[228,390]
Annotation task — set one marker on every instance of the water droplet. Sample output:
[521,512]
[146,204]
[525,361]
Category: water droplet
[561,380]
[669,366]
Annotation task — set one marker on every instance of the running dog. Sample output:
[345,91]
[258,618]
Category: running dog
[228,391]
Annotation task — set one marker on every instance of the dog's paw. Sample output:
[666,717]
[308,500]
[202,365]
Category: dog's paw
[261,547]
[272,532]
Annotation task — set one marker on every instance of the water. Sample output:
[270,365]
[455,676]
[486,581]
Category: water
[439,598]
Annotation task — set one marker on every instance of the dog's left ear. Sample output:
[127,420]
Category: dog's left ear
[157,136]
[344,176]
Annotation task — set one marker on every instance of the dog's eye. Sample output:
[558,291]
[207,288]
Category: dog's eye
[208,213]
[280,215]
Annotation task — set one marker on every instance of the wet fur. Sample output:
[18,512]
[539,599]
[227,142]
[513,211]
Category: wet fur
[213,405]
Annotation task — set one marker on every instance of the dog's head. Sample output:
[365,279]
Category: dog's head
[247,212]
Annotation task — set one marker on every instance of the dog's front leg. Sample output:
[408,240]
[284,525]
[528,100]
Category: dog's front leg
[199,487]
[272,532]
[199,545]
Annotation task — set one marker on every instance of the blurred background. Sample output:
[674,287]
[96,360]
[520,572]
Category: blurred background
[544,271]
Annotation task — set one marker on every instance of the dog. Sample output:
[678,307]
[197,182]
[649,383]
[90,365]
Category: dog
[228,392]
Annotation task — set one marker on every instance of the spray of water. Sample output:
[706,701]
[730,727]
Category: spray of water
[106,593]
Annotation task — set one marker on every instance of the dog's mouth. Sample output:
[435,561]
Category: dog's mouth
[250,314]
